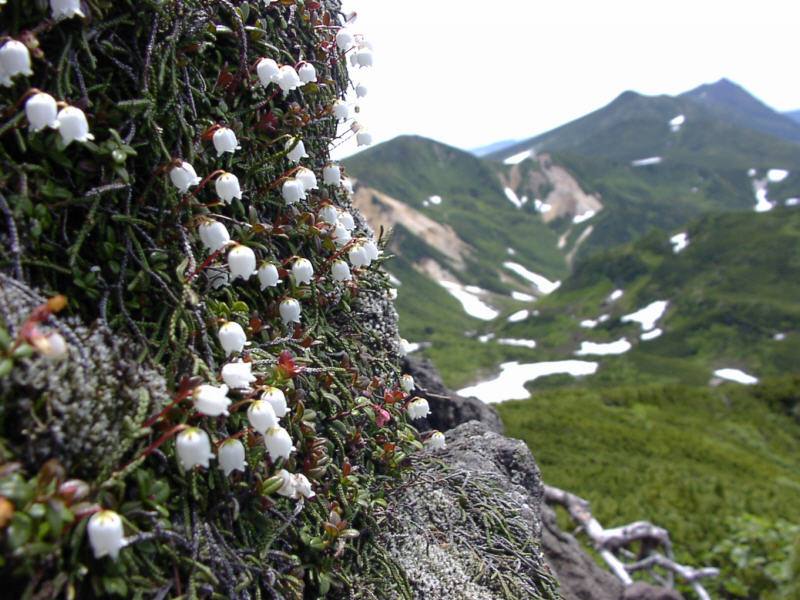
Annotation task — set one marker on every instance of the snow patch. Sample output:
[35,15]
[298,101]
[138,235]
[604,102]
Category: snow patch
[485,338]
[583,217]
[679,242]
[588,323]
[518,316]
[512,197]
[474,289]
[615,295]
[777,175]
[675,123]
[792,201]
[519,157]
[648,315]
[517,342]
[779,337]
[643,162]
[751,172]
[651,335]
[473,306]
[621,346]
[522,297]
[736,375]
[544,285]
[436,200]
[540,206]
[510,383]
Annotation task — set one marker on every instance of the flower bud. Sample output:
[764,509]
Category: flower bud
[268,276]
[231,457]
[295,149]
[364,138]
[346,219]
[238,375]
[288,79]
[287,488]
[227,187]
[307,178]
[332,175]
[293,191]
[341,110]
[436,441]
[183,176]
[407,383]
[361,90]
[211,401]
[241,262]
[341,271]
[261,416]
[105,534]
[277,400]
[364,57]
[328,214]
[213,235]
[72,125]
[194,448]
[302,271]
[418,409]
[278,443]
[225,141]
[14,60]
[232,337]
[268,71]
[65,9]
[307,73]
[52,346]
[41,111]
[290,311]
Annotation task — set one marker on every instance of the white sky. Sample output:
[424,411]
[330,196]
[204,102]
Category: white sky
[474,72]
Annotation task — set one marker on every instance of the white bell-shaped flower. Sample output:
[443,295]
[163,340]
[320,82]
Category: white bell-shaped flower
[302,271]
[341,110]
[238,375]
[278,443]
[371,248]
[332,175]
[211,400]
[302,486]
[293,191]
[213,235]
[341,237]
[358,256]
[232,337]
[418,409]
[345,40]
[407,383]
[277,399]
[346,219]
[268,71]
[364,138]
[328,214]
[41,111]
[361,90]
[340,271]
[183,176]
[241,262]
[307,73]
[261,416]
[288,79]
[364,57]
[194,448]
[268,276]
[287,488]
[347,184]
[225,141]
[66,9]
[73,126]
[231,457]
[436,441]
[295,149]
[14,60]
[227,187]
[290,311]
[307,178]
[106,536]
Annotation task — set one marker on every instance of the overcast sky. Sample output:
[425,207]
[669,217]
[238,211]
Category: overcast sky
[473,72]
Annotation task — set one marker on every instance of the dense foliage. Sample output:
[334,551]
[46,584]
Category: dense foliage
[103,223]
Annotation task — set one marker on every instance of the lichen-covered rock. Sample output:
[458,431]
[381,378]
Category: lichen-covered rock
[467,525]
[448,409]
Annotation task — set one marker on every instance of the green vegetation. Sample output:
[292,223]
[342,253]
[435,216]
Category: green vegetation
[692,459]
